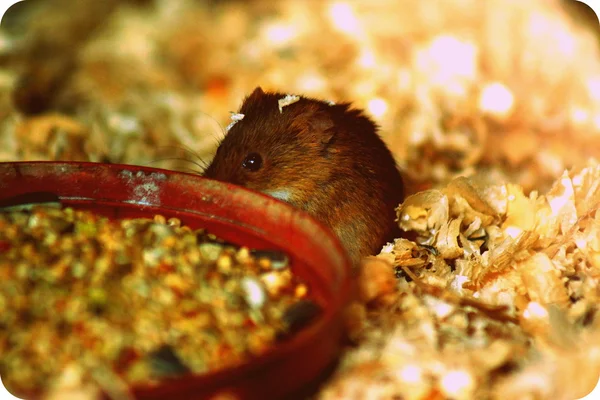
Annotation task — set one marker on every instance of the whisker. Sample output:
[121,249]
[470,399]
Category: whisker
[182,147]
[202,168]
[189,151]
[216,122]
[189,170]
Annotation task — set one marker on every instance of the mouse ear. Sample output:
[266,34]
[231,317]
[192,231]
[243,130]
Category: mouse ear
[258,92]
[253,99]
[323,127]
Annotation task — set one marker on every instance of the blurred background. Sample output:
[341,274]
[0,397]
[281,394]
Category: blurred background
[503,88]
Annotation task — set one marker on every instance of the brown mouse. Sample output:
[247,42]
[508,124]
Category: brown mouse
[324,158]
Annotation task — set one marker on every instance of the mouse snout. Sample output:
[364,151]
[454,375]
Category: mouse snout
[218,172]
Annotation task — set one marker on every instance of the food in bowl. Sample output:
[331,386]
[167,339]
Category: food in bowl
[88,299]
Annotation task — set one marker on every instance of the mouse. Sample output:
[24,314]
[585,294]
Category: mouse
[324,158]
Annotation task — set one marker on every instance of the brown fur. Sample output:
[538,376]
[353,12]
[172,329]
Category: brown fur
[329,157]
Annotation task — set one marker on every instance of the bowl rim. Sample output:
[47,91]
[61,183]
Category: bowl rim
[19,169]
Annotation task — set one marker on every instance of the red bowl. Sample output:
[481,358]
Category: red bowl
[236,214]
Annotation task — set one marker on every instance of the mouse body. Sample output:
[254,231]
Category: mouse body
[326,159]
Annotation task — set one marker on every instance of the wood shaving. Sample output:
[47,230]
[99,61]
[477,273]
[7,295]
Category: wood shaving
[496,279]
[502,303]
[235,118]
[287,100]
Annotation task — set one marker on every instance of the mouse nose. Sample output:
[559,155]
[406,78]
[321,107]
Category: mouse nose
[216,172]
[209,172]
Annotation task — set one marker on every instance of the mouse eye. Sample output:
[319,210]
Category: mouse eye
[252,162]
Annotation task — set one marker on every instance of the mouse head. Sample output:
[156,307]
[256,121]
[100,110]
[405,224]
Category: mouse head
[280,147]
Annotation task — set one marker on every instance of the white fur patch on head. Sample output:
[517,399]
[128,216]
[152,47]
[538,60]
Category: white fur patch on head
[235,118]
[281,194]
[286,101]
